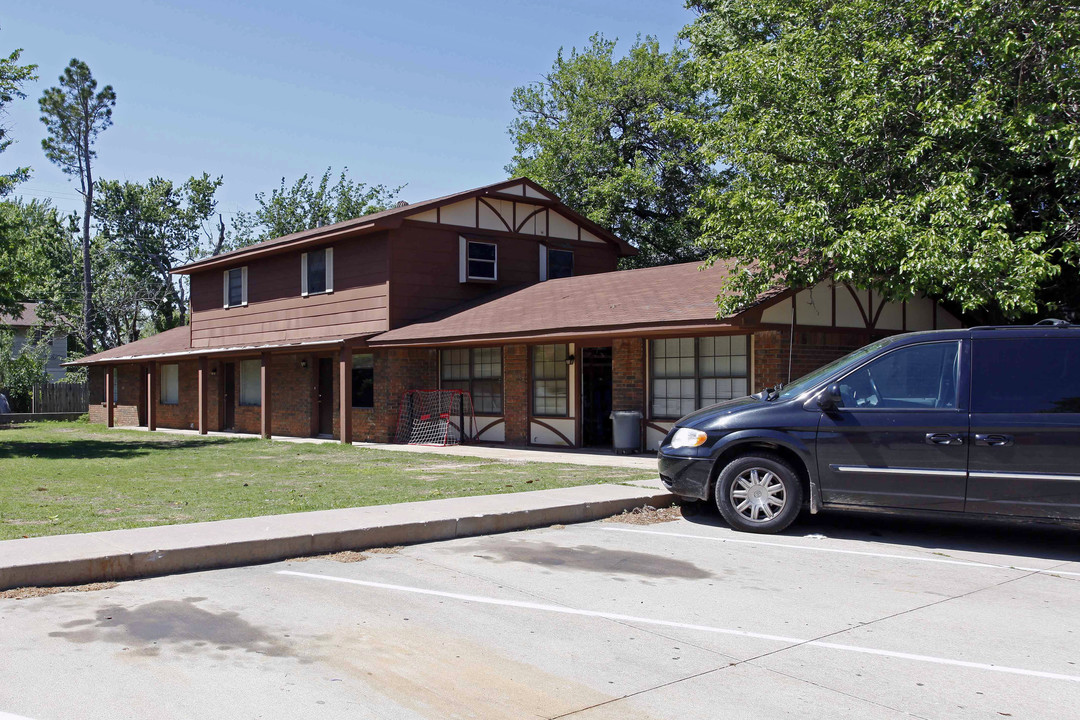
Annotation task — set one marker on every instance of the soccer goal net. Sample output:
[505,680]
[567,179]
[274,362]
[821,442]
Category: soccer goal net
[436,417]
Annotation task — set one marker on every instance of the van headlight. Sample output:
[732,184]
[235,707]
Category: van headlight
[688,437]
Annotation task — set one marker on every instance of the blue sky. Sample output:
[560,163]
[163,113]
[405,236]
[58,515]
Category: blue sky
[401,92]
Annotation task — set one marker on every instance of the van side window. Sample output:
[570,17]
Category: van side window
[916,377]
[1025,375]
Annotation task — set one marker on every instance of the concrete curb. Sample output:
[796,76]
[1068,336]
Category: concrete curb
[145,552]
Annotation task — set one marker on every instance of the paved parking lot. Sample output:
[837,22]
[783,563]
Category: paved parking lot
[840,617]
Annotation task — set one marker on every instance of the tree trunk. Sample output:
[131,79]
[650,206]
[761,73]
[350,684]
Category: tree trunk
[88,287]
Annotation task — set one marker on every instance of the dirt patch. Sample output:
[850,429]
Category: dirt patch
[647,515]
[350,556]
[33,592]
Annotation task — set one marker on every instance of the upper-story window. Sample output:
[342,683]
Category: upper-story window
[235,290]
[479,260]
[317,272]
[560,263]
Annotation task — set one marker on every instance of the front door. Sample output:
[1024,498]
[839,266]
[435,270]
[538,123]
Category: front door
[228,396]
[596,397]
[1025,427]
[899,438]
[326,396]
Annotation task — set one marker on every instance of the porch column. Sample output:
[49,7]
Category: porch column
[151,395]
[345,395]
[204,377]
[264,393]
[109,395]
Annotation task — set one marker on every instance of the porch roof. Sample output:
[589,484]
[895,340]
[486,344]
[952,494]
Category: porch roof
[647,301]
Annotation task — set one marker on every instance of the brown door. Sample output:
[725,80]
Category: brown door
[326,396]
[228,395]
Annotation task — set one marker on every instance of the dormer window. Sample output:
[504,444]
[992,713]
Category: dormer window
[560,264]
[317,272]
[479,261]
[235,287]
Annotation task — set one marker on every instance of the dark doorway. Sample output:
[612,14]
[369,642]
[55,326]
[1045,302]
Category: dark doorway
[228,396]
[596,397]
[143,397]
[326,396]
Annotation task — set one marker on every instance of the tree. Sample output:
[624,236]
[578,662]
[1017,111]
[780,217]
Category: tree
[594,130]
[74,115]
[48,254]
[153,228]
[904,145]
[21,369]
[12,77]
[307,204]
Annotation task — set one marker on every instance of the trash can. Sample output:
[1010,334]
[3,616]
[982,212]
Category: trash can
[626,426]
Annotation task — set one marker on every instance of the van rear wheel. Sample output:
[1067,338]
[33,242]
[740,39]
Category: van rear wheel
[759,493]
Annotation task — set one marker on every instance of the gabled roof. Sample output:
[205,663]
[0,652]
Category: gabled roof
[623,302]
[29,316]
[393,217]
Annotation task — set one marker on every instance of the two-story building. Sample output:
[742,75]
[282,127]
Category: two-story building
[29,330]
[502,291]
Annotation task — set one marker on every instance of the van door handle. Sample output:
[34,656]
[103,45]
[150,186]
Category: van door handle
[993,440]
[944,439]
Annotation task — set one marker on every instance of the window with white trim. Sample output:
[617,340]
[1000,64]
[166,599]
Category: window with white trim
[169,389]
[235,287]
[479,260]
[317,272]
[477,371]
[550,380]
[689,373]
[251,382]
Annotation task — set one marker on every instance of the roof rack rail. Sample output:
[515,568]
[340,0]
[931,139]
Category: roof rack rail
[1054,322]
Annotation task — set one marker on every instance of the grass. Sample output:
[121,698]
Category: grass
[77,477]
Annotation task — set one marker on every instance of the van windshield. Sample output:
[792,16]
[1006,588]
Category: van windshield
[810,380]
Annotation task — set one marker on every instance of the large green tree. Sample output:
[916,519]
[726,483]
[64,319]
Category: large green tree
[595,131]
[906,145]
[152,228]
[307,203]
[12,78]
[75,113]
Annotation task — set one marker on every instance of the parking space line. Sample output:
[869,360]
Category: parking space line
[788,546]
[480,599]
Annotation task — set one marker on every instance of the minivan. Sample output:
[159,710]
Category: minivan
[976,422]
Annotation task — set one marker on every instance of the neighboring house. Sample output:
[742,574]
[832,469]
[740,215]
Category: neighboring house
[28,328]
[502,291]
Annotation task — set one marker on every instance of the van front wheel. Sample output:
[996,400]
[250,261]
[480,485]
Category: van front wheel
[759,493]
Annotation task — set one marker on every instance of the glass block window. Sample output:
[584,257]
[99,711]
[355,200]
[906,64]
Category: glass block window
[250,382]
[363,380]
[478,371]
[551,386]
[690,373]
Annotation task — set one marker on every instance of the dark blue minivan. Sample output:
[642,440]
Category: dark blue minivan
[983,421]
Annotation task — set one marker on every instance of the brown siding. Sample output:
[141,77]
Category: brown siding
[276,312]
[424,266]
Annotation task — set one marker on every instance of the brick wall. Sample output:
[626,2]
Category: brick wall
[128,397]
[812,349]
[628,374]
[516,393]
[396,370]
[291,393]
[185,414]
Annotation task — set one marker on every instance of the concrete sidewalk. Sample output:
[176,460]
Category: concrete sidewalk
[141,552]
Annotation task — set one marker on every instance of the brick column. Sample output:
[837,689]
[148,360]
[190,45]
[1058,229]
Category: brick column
[628,374]
[516,393]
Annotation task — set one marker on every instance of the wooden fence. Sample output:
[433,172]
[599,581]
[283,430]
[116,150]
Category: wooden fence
[60,398]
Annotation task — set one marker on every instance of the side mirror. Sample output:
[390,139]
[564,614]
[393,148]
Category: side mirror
[830,398]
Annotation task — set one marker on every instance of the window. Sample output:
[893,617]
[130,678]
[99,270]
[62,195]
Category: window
[478,371]
[478,260]
[916,377]
[170,385]
[363,380]
[1025,375]
[235,289]
[250,382]
[317,272]
[551,387]
[690,373]
[560,264]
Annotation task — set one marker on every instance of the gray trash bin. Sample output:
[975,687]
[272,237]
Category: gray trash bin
[626,425]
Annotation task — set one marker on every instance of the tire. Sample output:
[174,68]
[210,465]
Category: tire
[759,493]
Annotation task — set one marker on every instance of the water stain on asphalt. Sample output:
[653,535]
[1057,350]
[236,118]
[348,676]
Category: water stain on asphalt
[177,623]
[589,558]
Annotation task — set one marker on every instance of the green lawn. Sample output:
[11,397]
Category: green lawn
[76,477]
